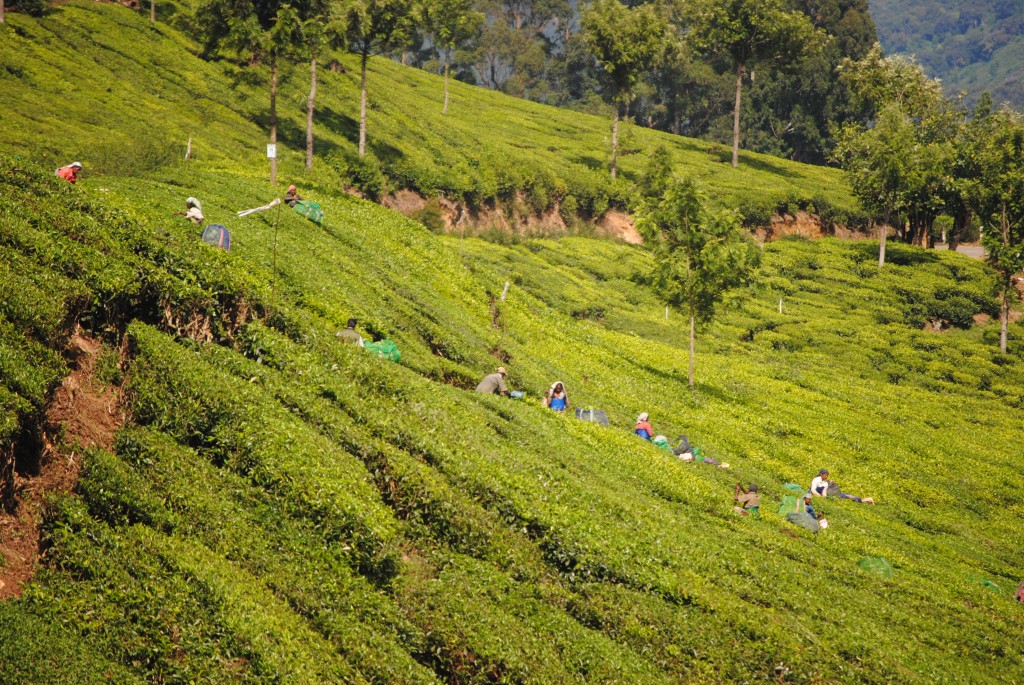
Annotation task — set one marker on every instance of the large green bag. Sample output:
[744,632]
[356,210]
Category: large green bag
[787,505]
[662,442]
[310,210]
[384,348]
[877,565]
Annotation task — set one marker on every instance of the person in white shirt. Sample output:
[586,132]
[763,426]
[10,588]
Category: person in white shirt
[821,486]
[193,211]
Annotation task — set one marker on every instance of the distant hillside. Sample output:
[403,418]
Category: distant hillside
[973,46]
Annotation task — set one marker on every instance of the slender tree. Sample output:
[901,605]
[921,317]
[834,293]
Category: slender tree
[752,33]
[625,42]
[448,24]
[1,11]
[260,32]
[372,26]
[152,11]
[997,196]
[322,26]
[700,254]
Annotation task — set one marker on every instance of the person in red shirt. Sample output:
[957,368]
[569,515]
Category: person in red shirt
[643,427]
[70,172]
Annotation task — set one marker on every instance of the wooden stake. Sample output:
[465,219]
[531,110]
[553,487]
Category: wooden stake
[273,280]
[188,149]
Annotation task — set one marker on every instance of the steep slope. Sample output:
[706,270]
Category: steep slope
[88,79]
[283,508]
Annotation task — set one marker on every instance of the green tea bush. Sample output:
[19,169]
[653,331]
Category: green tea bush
[284,508]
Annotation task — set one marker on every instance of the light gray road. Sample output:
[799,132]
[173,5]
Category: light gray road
[975,251]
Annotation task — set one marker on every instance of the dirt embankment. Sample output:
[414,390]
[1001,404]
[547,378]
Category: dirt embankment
[83,413]
[514,219]
[441,214]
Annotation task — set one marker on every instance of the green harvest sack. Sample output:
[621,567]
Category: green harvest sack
[310,210]
[804,520]
[663,443]
[787,505]
[876,565]
[384,348]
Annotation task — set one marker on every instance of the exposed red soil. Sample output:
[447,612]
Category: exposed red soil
[621,226]
[83,413]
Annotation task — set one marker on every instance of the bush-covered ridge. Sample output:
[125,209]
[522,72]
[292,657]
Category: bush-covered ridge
[289,509]
[127,97]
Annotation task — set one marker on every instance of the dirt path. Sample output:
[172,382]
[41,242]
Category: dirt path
[83,413]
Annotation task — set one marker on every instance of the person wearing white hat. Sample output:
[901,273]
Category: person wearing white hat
[643,426]
[193,211]
[556,398]
[70,172]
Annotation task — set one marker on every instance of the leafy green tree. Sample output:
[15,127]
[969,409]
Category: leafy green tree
[625,43]
[752,33]
[793,112]
[261,32]
[899,168]
[997,197]
[877,80]
[514,52]
[374,26]
[684,88]
[449,24]
[700,253]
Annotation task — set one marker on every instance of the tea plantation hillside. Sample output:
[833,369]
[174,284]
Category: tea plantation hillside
[88,79]
[283,508]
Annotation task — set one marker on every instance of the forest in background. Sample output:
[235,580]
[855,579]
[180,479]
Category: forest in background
[972,46]
[536,49]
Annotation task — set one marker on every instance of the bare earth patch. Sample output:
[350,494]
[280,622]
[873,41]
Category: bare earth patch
[83,413]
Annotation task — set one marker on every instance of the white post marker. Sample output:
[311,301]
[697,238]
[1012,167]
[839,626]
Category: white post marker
[271,151]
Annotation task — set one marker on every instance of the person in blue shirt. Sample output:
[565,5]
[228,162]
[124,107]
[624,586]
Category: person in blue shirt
[808,507]
[556,398]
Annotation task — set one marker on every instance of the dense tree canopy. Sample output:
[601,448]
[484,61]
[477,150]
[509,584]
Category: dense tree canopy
[535,49]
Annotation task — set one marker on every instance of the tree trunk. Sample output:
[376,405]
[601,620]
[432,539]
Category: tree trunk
[1004,319]
[309,113]
[736,118]
[693,327]
[1004,309]
[883,230]
[152,11]
[447,63]
[615,136]
[362,104]
[1,11]
[273,120]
